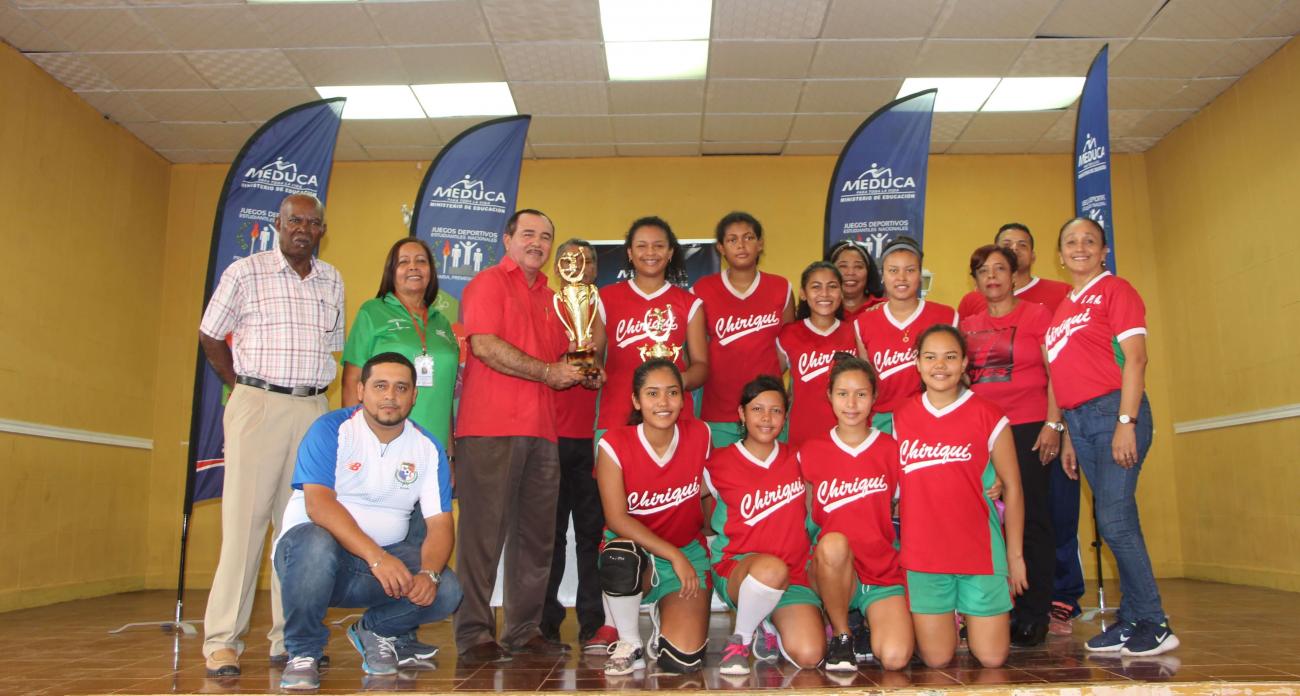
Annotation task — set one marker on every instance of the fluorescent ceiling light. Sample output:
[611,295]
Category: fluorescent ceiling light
[1034,93]
[657,60]
[660,20]
[375,101]
[466,99]
[955,93]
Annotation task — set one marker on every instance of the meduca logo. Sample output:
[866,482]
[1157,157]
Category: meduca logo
[878,183]
[282,177]
[468,193]
[1093,157]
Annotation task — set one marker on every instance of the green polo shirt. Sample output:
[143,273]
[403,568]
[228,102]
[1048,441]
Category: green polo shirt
[384,326]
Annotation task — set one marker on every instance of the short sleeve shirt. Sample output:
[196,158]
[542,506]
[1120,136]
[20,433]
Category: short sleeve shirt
[1005,360]
[575,412]
[810,352]
[760,506]
[1083,341]
[663,491]
[742,329]
[891,349]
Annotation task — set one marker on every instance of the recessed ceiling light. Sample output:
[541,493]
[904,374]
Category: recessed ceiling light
[466,99]
[375,101]
[661,20]
[1034,93]
[955,93]
[657,60]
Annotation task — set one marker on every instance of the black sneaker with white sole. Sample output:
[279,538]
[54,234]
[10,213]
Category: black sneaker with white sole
[1150,638]
[1113,638]
[839,654]
[410,651]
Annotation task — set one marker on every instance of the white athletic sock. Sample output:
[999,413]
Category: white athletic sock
[609,614]
[626,612]
[754,602]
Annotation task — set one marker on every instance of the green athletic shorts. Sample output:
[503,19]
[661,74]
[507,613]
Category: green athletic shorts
[865,595]
[973,595]
[663,581]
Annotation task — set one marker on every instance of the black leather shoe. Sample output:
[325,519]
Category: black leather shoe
[538,645]
[485,653]
[1028,634]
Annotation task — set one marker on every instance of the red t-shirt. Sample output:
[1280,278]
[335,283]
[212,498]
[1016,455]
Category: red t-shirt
[742,337]
[499,301]
[575,412]
[1006,360]
[1083,340]
[810,353]
[948,524]
[762,505]
[853,488]
[1048,293]
[624,310]
[663,493]
[891,348]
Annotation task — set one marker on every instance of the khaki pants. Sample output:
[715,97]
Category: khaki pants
[263,430]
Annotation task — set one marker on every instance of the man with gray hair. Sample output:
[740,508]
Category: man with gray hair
[283,310]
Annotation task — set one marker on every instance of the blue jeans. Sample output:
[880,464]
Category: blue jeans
[1114,488]
[317,573]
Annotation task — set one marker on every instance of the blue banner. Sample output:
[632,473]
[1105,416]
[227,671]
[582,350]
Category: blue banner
[1092,197]
[292,153]
[466,197]
[612,265]
[877,191]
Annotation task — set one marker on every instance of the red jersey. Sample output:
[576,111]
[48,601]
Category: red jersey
[742,337]
[853,489]
[891,348]
[949,525]
[868,301]
[575,412]
[762,505]
[1083,341]
[1006,360]
[625,309]
[1048,293]
[663,493]
[809,353]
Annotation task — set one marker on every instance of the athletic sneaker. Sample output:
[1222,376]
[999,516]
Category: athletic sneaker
[767,645]
[862,643]
[410,651]
[300,672]
[1150,638]
[1113,638]
[624,658]
[378,656]
[600,641]
[839,654]
[1062,623]
[735,657]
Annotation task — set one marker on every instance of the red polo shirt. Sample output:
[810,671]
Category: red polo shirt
[499,301]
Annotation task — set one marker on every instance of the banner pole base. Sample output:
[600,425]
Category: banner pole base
[179,627]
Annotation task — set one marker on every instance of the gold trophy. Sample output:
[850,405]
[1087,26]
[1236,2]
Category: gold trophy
[575,304]
[658,327]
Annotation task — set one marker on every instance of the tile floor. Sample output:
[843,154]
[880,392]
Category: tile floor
[1229,634]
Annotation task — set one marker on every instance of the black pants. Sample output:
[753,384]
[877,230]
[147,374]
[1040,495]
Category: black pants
[580,498]
[1039,541]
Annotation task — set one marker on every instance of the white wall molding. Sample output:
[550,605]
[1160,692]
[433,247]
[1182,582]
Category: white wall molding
[1235,419]
[55,432]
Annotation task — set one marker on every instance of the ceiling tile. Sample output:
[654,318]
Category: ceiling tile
[1133,144]
[1100,18]
[117,106]
[349,66]
[752,96]
[949,126]
[864,58]
[1197,93]
[198,156]
[990,147]
[1159,123]
[1284,22]
[256,69]
[400,132]
[263,104]
[825,126]
[658,149]
[348,150]
[73,71]
[938,147]
[1052,147]
[969,58]
[768,19]
[1243,55]
[452,21]
[147,71]
[1010,19]
[851,19]
[1008,126]
[317,24]
[760,59]
[1063,128]
[656,129]
[571,129]
[449,128]
[187,105]
[381,153]
[1209,19]
[1060,57]
[1123,121]
[199,27]
[88,29]
[569,98]
[24,34]
[659,97]
[534,20]
[747,127]
[744,148]
[1142,93]
[814,147]
[1167,57]
[553,62]
[847,96]
[465,63]
[212,136]
[567,151]
[158,136]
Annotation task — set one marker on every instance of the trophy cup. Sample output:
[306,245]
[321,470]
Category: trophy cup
[575,304]
[658,327]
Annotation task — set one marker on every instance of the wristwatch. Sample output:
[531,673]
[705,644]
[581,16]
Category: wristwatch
[432,576]
[1054,425]
[1125,419]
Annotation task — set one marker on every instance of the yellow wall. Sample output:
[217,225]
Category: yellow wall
[1222,189]
[84,226]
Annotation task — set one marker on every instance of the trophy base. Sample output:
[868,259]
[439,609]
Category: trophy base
[584,360]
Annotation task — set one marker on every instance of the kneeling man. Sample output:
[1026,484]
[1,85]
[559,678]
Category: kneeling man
[359,474]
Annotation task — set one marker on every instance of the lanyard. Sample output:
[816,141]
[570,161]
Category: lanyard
[419,331]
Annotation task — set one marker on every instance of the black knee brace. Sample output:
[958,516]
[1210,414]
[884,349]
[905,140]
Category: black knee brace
[622,563]
[676,661]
